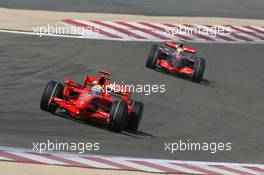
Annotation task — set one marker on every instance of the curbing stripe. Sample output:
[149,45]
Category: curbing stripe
[123,39]
[199,169]
[64,160]
[222,36]
[78,24]
[232,170]
[111,163]
[38,158]
[254,29]
[89,163]
[145,31]
[140,167]
[156,166]
[128,163]
[130,34]
[207,38]
[16,157]
[149,32]
[255,169]
[164,30]
[247,32]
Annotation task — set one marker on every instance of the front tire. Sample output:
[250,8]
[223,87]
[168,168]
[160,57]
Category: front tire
[118,114]
[52,89]
[198,70]
[136,115]
[153,57]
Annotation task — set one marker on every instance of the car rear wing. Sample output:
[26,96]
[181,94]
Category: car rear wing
[185,48]
[102,79]
[104,72]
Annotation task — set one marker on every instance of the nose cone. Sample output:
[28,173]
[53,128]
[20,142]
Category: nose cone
[83,101]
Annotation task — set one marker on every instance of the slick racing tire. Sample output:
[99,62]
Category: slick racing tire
[153,57]
[198,70]
[118,114]
[53,89]
[135,116]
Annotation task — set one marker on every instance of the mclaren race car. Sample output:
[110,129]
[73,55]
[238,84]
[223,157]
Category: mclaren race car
[96,99]
[178,59]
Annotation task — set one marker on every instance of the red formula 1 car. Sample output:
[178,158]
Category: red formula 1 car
[187,63]
[112,106]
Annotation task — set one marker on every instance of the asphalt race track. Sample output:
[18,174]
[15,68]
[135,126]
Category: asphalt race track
[226,107]
[208,8]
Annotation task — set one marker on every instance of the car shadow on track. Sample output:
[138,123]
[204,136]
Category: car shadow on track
[134,134]
[204,82]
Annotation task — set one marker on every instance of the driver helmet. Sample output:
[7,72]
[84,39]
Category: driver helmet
[97,89]
[179,48]
[180,45]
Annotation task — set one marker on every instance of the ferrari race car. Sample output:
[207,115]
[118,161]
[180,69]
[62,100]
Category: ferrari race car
[112,106]
[167,59]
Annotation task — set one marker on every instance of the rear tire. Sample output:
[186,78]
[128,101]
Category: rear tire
[153,57]
[135,117]
[52,89]
[118,114]
[198,70]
